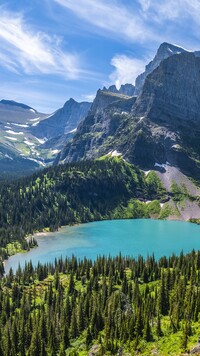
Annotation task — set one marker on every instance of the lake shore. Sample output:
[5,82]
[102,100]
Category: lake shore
[128,236]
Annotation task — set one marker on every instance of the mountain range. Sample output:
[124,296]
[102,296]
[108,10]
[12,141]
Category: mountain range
[30,140]
[159,125]
[154,124]
[133,153]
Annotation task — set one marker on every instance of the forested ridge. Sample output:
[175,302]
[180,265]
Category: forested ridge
[79,192]
[64,308]
[70,306]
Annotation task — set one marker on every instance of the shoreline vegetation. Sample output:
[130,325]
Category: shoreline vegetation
[104,189]
[45,232]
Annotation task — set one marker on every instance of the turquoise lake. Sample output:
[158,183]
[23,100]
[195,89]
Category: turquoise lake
[130,237]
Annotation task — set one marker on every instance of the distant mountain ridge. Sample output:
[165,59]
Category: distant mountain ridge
[148,124]
[16,104]
[30,140]
[63,120]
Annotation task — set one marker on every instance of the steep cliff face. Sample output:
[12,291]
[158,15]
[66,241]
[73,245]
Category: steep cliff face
[172,89]
[170,106]
[94,135]
[164,51]
[161,125]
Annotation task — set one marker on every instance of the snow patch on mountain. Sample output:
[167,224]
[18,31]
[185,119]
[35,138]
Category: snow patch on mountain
[41,140]
[161,165]
[55,152]
[36,119]
[14,133]
[72,131]
[11,138]
[28,142]
[37,161]
[35,124]
[19,125]
[9,157]
[115,153]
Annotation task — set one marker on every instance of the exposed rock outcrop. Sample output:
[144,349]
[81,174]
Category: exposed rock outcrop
[162,124]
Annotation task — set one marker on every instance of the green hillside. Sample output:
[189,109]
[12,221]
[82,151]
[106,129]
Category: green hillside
[80,192]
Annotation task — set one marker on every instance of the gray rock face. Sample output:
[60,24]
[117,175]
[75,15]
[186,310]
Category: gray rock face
[169,105]
[161,125]
[164,51]
[125,89]
[94,135]
[29,139]
[103,99]
[63,120]
[15,122]
[172,89]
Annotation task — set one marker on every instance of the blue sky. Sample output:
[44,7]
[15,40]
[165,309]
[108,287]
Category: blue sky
[51,50]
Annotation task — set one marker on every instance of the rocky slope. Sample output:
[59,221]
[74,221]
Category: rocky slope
[63,121]
[12,111]
[29,140]
[157,129]
[17,145]
[169,110]
[95,135]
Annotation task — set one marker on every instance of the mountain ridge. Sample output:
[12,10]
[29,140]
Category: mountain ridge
[145,132]
[29,139]
[149,129]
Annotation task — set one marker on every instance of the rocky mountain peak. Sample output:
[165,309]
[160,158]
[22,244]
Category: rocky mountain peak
[167,49]
[125,89]
[153,128]
[71,100]
[164,51]
[62,121]
[172,88]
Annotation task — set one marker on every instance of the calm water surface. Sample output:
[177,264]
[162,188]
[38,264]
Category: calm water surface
[130,237]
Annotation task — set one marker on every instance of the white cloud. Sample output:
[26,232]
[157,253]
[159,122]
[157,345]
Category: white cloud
[89,97]
[145,4]
[111,17]
[139,21]
[171,10]
[126,69]
[33,52]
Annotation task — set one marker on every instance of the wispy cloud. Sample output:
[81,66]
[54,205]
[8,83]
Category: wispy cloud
[171,10]
[21,48]
[111,17]
[140,21]
[89,97]
[126,69]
